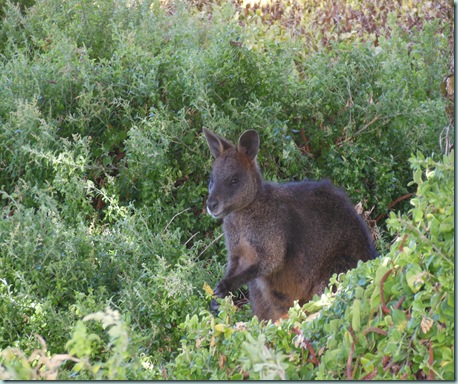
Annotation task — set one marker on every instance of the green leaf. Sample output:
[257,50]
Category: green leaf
[446,225]
[367,362]
[414,277]
[417,176]
[398,316]
[356,315]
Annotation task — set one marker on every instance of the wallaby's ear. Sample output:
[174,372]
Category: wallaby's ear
[249,143]
[217,144]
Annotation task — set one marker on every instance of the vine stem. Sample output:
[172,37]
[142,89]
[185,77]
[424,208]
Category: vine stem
[370,375]
[431,361]
[375,330]
[307,344]
[350,355]
[401,246]
[399,303]
[385,310]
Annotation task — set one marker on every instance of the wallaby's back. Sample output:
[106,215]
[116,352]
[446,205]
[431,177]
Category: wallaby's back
[284,240]
[304,232]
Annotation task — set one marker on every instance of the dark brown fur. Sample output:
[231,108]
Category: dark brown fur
[284,240]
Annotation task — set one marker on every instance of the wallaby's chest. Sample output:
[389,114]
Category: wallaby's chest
[240,238]
[248,229]
[254,239]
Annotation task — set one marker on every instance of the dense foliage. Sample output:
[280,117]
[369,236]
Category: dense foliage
[104,243]
[391,318]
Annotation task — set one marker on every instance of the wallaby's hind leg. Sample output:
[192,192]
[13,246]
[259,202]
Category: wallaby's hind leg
[340,265]
[263,302]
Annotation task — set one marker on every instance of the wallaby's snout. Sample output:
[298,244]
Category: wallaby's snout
[212,206]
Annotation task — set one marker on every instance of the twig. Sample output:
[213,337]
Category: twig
[446,138]
[209,245]
[312,352]
[187,241]
[357,133]
[308,150]
[173,218]
[350,358]
[389,365]
[368,125]
[392,204]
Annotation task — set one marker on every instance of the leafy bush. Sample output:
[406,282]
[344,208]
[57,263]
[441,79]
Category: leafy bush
[350,113]
[114,364]
[103,177]
[391,318]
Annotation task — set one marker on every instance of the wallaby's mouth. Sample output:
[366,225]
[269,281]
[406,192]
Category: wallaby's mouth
[214,215]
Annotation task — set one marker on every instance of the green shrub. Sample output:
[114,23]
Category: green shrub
[350,113]
[115,361]
[391,318]
[103,175]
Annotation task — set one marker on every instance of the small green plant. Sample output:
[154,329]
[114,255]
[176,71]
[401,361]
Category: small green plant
[104,355]
[39,365]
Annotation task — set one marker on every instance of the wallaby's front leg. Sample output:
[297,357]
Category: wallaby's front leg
[232,283]
[243,266]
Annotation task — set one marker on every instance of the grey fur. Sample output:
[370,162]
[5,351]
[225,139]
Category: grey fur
[284,240]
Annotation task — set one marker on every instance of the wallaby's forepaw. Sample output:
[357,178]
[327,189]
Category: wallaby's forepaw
[221,289]
[214,307]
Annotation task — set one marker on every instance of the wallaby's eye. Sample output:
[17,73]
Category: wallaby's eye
[234,180]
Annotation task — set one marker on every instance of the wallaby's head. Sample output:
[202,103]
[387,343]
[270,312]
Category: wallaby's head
[235,178]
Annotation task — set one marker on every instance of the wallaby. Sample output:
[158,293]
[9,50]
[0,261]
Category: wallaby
[284,241]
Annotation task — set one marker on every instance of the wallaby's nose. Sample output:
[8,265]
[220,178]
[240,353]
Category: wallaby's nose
[212,204]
